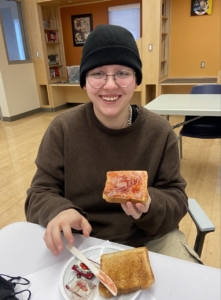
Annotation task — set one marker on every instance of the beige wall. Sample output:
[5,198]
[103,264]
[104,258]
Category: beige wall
[194,39]
[18,90]
[3,101]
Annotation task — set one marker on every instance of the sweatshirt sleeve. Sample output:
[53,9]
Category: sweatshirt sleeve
[45,198]
[169,202]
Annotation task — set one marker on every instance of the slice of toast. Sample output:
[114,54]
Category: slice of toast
[129,269]
[123,186]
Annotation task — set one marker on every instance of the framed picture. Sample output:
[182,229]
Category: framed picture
[81,27]
[201,7]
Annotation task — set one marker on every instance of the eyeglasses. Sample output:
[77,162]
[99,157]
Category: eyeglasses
[98,79]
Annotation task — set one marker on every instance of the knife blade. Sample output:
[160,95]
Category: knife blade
[103,277]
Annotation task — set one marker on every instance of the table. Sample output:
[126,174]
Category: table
[186,104]
[24,253]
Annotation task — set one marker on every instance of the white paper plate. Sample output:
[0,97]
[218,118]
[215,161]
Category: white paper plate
[93,253]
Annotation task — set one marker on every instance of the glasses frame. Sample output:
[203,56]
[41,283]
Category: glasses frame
[106,75]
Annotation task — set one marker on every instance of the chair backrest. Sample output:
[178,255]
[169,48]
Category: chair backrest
[206,89]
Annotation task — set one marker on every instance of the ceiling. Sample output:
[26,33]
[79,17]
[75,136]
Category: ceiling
[68,2]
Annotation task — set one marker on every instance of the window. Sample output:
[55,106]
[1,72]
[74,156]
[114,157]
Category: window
[15,38]
[127,16]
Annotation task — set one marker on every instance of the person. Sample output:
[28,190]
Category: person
[107,134]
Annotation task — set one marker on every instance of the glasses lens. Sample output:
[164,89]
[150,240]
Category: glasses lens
[96,79]
[122,79]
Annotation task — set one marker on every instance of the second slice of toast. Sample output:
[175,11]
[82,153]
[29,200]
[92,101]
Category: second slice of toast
[129,269]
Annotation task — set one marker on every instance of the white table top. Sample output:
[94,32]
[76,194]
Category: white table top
[186,104]
[23,253]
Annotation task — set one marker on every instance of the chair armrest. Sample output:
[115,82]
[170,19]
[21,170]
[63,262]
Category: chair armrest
[203,223]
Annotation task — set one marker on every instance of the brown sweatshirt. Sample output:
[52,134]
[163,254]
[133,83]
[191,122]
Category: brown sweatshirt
[74,156]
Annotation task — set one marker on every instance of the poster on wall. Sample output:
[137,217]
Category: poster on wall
[81,27]
[201,7]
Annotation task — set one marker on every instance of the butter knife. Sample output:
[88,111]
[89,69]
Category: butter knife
[103,277]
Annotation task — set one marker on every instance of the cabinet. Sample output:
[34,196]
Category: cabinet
[53,44]
[165,34]
[47,49]
[155,46]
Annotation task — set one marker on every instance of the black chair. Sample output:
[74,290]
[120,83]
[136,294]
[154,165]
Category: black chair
[204,127]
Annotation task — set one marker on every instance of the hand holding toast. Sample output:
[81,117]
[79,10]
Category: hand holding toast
[129,188]
[65,221]
[136,210]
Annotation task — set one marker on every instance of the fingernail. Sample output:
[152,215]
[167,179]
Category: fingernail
[59,247]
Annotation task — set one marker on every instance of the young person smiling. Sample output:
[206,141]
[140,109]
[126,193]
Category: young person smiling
[106,134]
[116,90]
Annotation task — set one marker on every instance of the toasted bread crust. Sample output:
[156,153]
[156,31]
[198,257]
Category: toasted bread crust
[129,269]
[123,186]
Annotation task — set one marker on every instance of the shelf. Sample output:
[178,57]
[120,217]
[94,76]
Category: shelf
[188,81]
[52,43]
[165,30]
[57,79]
[54,52]
[51,29]
[68,84]
[51,36]
[51,67]
[55,66]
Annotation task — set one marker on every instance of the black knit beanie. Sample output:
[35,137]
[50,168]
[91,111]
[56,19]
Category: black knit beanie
[110,45]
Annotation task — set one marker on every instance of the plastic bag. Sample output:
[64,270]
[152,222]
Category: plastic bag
[73,74]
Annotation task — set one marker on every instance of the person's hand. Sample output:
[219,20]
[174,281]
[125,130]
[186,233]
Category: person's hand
[136,210]
[65,221]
